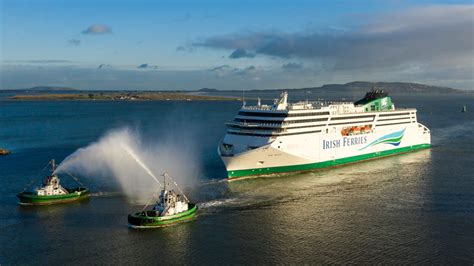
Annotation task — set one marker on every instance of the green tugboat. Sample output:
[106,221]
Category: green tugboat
[171,208]
[52,192]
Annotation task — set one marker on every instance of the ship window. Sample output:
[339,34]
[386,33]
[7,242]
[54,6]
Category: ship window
[257,121]
[268,114]
[307,114]
[352,117]
[270,135]
[389,119]
[394,114]
[278,123]
[393,124]
[255,128]
[350,122]
[243,113]
[318,125]
[305,121]
[372,108]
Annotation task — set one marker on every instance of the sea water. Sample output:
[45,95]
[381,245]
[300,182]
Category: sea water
[411,208]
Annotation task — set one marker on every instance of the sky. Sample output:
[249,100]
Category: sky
[238,45]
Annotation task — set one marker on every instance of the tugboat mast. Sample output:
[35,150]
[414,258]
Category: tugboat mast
[53,165]
[164,181]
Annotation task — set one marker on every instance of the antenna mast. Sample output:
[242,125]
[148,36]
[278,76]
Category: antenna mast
[53,165]
[164,181]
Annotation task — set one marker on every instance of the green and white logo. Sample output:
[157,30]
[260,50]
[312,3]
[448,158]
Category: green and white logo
[394,139]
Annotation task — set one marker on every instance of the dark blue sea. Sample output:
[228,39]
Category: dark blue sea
[411,208]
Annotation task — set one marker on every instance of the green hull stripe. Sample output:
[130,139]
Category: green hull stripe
[32,198]
[162,221]
[310,166]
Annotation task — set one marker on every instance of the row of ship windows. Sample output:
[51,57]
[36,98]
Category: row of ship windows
[316,120]
[399,118]
[309,126]
[348,122]
[355,117]
[245,113]
[257,128]
[394,114]
[279,122]
[304,132]
[272,135]
[391,124]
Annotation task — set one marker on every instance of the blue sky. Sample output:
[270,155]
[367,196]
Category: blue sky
[234,44]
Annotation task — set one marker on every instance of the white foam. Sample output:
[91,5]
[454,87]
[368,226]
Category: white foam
[121,156]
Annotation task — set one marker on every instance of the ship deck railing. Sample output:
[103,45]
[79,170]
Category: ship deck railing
[250,125]
[302,105]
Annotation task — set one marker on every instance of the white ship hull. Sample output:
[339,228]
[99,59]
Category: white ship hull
[318,150]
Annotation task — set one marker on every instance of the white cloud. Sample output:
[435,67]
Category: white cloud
[97,29]
[421,17]
[435,37]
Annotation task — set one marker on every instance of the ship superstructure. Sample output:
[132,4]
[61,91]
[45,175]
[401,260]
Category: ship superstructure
[305,135]
[52,192]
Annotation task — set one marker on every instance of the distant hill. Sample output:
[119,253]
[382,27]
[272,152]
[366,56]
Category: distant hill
[393,87]
[50,88]
[207,90]
[364,86]
[351,87]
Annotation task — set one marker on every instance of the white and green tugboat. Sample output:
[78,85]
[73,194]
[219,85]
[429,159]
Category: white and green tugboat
[52,192]
[171,208]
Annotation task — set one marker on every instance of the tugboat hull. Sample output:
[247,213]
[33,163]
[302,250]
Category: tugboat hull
[30,198]
[147,219]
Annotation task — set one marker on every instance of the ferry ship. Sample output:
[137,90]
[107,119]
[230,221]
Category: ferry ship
[306,135]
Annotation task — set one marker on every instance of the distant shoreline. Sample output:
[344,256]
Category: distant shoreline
[351,87]
[120,96]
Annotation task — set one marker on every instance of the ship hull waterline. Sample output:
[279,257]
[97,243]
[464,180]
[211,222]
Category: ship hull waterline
[234,175]
[29,198]
[140,220]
